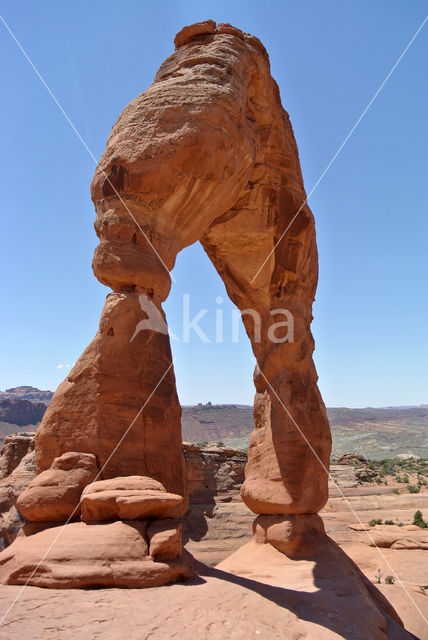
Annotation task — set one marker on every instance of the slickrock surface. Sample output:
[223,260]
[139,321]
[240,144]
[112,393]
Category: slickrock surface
[395,537]
[274,598]
[326,586]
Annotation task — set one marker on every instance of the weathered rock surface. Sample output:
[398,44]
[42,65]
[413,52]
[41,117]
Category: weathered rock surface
[81,555]
[213,471]
[129,498]
[165,539]
[295,535]
[54,495]
[394,537]
[10,488]
[102,399]
[15,447]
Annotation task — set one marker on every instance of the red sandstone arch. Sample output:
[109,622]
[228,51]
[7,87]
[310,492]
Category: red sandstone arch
[206,153]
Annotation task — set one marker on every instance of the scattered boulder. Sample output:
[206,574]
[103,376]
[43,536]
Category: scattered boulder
[365,474]
[129,498]
[351,458]
[54,495]
[79,555]
[165,539]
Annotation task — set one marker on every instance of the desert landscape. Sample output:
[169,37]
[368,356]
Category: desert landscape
[124,511]
[371,502]
[361,512]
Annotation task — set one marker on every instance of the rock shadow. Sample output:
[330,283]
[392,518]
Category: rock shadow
[346,602]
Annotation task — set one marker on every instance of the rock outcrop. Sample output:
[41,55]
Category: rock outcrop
[80,555]
[206,153]
[54,495]
[129,498]
[15,447]
[14,484]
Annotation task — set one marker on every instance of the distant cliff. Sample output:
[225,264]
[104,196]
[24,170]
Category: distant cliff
[21,413]
[27,393]
[22,407]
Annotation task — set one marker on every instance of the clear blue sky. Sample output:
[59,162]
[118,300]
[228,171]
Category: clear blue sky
[329,58]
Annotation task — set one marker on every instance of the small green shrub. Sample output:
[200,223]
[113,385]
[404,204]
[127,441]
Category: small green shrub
[395,491]
[220,444]
[375,521]
[389,580]
[418,520]
[413,489]
[202,444]
[389,522]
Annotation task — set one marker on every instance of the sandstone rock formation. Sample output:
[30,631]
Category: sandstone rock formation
[207,154]
[81,555]
[15,447]
[129,498]
[395,537]
[54,494]
[12,485]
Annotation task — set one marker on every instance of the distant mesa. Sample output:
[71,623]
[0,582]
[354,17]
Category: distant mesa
[376,433]
[27,393]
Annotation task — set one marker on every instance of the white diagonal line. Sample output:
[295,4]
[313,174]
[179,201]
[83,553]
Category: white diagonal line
[78,505]
[343,143]
[54,98]
[343,496]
